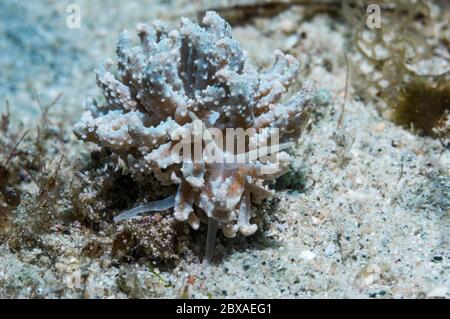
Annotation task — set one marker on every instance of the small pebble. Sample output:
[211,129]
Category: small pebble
[330,250]
[307,255]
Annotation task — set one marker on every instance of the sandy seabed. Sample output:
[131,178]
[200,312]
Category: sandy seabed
[370,221]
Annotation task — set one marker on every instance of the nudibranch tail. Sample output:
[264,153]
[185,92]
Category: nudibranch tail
[210,239]
[156,206]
